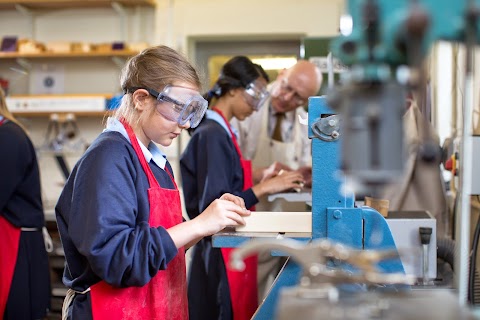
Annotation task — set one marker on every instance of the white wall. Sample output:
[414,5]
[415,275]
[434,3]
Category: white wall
[449,78]
[442,79]
[180,20]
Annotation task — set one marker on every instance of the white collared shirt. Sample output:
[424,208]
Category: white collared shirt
[153,152]
[212,115]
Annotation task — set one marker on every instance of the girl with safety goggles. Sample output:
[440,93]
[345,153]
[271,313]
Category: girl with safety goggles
[119,214]
[211,164]
[179,104]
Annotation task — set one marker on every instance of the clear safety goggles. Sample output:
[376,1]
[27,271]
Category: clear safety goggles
[284,88]
[257,94]
[187,104]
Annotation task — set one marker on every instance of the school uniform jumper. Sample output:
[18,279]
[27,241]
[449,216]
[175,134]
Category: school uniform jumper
[257,144]
[24,269]
[103,216]
[211,166]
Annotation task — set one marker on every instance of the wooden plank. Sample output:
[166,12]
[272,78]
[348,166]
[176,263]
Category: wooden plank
[65,4]
[33,114]
[93,54]
[62,95]
[266,221]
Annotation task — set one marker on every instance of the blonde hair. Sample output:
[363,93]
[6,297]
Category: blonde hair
[4,110]
[153,68]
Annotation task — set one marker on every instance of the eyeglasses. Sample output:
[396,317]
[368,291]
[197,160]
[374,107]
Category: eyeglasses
[257,93]
[187,104]
[286,88]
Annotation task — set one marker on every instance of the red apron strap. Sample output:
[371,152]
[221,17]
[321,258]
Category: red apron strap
[165,295]
[234,138]
[246,164]
[136,146]
[10,240]
[242,284]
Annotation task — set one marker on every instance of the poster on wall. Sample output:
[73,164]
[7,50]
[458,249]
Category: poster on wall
[47,79]
[324,63]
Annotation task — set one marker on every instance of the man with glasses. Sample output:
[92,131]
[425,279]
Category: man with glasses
[274,135]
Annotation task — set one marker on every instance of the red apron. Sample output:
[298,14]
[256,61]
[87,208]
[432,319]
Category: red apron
[165,296]
[9,242]
[243,285]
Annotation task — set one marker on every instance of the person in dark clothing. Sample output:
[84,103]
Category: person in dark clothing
[212,164]
[119,214]
[24,268]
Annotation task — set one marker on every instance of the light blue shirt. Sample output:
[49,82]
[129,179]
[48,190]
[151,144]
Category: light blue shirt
[212,115]
[153,152]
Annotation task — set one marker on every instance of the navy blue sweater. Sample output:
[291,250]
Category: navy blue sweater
[21,205]
[210,167]
[20,195]
[102,216]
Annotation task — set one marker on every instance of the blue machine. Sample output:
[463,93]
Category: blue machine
[334,215]
[385,51]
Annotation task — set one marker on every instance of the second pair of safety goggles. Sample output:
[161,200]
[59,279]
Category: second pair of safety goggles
[257,94]
[186,104]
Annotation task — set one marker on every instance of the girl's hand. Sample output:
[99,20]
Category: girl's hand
[284,181]
[281,182]
[273,170]
[237,200]
[229,210]
[306,172]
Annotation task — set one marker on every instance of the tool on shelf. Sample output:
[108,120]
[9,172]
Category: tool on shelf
[63,136]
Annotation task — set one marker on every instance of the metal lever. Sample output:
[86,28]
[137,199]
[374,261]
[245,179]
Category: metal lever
[425,235]
[327,129]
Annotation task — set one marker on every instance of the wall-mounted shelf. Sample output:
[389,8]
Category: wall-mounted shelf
[81,105]
[59,4]
[113,53]
[63,114]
